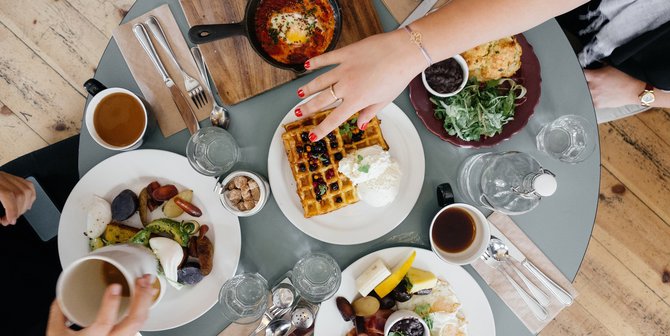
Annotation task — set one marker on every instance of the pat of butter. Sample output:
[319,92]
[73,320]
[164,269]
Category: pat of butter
[371,277]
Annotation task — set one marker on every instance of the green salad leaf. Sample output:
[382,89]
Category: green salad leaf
[423,311]
[480,109]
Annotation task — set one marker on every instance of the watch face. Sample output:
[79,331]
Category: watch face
[647,98]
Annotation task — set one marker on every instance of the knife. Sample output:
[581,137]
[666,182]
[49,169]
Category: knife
[420,11]
[560,293]
[178,97]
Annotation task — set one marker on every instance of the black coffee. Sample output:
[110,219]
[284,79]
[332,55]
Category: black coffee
[454,230]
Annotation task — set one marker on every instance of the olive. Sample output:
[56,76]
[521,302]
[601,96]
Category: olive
[387,302]
[424,291]
[399,293]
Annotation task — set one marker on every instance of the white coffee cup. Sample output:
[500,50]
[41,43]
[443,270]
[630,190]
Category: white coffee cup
[81,286]
[478,245]
[100,92]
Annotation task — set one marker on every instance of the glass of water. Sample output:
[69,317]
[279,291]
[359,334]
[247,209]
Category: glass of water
[316,277]
[570,138]
[244,298]
[212,151]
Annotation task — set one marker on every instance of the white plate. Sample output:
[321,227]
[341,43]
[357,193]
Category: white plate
[135,170]
[356,223]
[475,305]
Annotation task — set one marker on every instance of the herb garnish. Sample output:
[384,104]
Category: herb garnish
[348,127]
[322,189]
[274,34]
[364,168]
[424,312]
[396,333]
[480,109]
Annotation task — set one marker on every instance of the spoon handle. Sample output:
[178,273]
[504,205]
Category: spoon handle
[534,307]
[555,289]
[537,293]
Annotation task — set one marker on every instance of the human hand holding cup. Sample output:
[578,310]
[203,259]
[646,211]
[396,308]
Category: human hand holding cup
[82,286]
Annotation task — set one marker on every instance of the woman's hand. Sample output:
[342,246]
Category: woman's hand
[612,88]
[368,76]
[16,195]
[105,323]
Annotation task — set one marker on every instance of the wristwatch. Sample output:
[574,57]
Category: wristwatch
[647,96]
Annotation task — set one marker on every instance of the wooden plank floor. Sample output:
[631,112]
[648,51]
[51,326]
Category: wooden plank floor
[49,48]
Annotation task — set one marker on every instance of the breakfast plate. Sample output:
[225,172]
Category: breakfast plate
[356,223]
[475,306]
[134,170]
[529,75]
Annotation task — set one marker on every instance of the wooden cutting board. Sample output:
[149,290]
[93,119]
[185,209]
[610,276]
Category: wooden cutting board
[238,72]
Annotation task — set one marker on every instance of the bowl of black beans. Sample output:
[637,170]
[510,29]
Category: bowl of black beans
[446,78]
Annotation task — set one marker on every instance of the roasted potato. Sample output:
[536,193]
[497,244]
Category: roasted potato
[171,209]
[116,233]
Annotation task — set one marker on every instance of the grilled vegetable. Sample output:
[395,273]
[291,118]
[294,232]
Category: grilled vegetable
[205,251]
[365,306]
[188,207]
[116,233]
[165,192]
[190,274]
[141,238]
[124,205]
[95,243]
[144,206]
[171,209]
[175,229]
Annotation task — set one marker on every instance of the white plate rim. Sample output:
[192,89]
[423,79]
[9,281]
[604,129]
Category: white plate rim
[476,306]
[145,165]
[399,132]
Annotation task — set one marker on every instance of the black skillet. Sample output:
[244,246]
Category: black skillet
[207,33]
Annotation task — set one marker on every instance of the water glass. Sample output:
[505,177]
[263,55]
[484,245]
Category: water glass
[244,298]
[570,139]
[212,151]
[316,277]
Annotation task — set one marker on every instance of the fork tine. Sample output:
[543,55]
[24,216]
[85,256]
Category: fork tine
[190,94]
[199,94]
[204,95]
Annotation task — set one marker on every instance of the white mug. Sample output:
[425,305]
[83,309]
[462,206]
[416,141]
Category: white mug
[479,244]
[81,286]
[100,92]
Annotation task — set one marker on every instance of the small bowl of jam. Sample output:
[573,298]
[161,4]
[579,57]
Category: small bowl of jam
[446,78]
[407,323]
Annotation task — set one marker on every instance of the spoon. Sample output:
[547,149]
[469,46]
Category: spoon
[302,318]
[219,115]
[500,253]
[283,296]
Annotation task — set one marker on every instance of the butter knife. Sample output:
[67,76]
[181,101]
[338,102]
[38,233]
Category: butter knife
[184,108]
[420,11]
[561,295]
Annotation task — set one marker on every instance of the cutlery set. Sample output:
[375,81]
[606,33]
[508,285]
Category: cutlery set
[218,116]
[501,254]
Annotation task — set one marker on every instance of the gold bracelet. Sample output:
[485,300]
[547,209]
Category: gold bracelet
[417,38]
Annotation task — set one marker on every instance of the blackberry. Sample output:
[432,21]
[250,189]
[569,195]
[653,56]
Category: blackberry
[304,136]
[334,186]
[300,149]
[313,167]
[338,199]
[334,144]
[338,156]
[301,167]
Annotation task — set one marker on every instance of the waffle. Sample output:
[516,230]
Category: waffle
[319,185]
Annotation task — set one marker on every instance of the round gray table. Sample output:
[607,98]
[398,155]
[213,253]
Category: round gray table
[561,225]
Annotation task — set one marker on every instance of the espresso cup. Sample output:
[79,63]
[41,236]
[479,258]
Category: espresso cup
[459,233]
[81,286]
[118,131]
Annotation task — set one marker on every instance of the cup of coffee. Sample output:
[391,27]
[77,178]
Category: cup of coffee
[459,232]
[116,118]
[81,286]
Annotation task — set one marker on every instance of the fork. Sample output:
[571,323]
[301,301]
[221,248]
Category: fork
[272,313]
[195,91]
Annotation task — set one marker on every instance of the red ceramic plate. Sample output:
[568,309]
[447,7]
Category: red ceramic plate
[528,75]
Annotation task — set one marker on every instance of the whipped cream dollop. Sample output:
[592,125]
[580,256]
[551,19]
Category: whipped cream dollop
[375,173]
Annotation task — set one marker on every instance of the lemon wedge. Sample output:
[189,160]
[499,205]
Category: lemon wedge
[398,273]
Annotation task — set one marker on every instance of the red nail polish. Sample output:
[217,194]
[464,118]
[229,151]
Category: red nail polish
[298,113]
[301,93]
[364,126]
[312,137]
[307,65]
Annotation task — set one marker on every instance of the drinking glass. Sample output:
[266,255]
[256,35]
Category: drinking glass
[244,298]
[212,151]
[570,139]
[316,277]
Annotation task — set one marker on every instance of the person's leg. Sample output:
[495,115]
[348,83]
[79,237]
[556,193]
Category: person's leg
[31,266]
